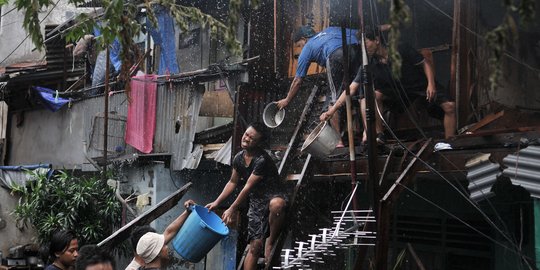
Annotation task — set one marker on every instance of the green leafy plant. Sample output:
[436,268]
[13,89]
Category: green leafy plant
[119,20]
[501,37]
[86,205]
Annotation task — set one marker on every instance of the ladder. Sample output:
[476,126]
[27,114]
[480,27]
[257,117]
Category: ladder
[283,172]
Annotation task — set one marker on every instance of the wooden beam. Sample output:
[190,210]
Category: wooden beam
[408,174]
[144,219]
[493,132]
[295,138]
[486,120]
[285,232]
[415,257]
[385,206]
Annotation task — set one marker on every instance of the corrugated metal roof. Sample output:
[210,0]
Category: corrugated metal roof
[223,155]
[523,168]
[177,113]
[178,105]
[194,158]
[61,59]
[482,174]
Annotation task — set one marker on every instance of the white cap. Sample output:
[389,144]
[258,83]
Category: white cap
[149,246]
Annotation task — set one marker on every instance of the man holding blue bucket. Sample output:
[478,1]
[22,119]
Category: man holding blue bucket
[152,243]
[255,170]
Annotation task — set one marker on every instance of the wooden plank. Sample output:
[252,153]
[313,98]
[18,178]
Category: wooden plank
[213,146]
[393,192]
[293,177]
[295,138]
[385,206]
[145,218]
[486,120]
[217,104]
[285,232]
[415,257]
[492,132]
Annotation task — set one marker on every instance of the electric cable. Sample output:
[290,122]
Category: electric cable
[517,252]
[420,129]
[396,90]
[20,44]
[7,12]
[508,54]
[172,178]
[446,180]
[417,125]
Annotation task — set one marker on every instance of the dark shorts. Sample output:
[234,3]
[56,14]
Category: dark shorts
[258,226]
[412,94]
[393,103]
[335,60]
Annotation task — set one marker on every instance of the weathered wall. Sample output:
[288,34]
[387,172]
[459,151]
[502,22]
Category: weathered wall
[47,137]
[12,32]
[10,235]
[520,66]
[63,138]
[159,182]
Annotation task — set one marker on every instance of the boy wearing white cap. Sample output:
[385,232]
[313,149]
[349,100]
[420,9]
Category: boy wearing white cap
[152,249]
[169,233]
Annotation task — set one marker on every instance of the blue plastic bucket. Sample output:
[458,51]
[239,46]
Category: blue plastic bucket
[201,231]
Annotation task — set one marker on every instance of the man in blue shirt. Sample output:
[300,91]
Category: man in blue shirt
[324,48]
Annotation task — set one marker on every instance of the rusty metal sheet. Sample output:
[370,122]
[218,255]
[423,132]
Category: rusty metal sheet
[144,219]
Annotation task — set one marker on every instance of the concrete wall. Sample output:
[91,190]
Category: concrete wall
[10,235]
[12,32]
[47,137]
[519,79]
[159,182]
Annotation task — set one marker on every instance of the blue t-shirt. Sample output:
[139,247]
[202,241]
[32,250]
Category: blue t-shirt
[319,47]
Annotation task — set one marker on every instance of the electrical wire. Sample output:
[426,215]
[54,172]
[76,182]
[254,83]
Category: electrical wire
[517,251]
[448,160]
[484,215]
[20,44]
[172,178]
[508,54]
[397,87]
[461,191]
[7,12]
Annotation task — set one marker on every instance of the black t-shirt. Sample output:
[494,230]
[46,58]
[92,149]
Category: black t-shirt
[261,165]
[413,77]
[52,267]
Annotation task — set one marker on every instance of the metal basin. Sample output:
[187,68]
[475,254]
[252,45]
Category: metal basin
[321,141]
[272,115]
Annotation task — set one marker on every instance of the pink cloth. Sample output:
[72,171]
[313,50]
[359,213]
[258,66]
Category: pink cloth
[141,118]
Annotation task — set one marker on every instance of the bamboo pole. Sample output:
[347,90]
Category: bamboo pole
[350,133]
[106,116]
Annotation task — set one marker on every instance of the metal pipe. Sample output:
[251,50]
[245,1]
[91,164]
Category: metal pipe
[454,64]
[350,133]
[371,133]
[106,116]
[275,36]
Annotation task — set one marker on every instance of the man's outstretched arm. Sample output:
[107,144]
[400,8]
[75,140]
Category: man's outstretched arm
[175,226]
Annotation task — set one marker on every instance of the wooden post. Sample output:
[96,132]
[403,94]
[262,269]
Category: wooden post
[350,131]
[106,116]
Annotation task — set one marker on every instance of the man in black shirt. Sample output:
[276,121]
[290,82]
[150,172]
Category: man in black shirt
[255,169]
[417,79]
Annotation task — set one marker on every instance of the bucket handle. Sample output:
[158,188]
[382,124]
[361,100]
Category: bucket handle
[314,123]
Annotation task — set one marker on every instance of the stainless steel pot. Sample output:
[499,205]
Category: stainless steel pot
[272,115]
[32,260]
[321,141]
